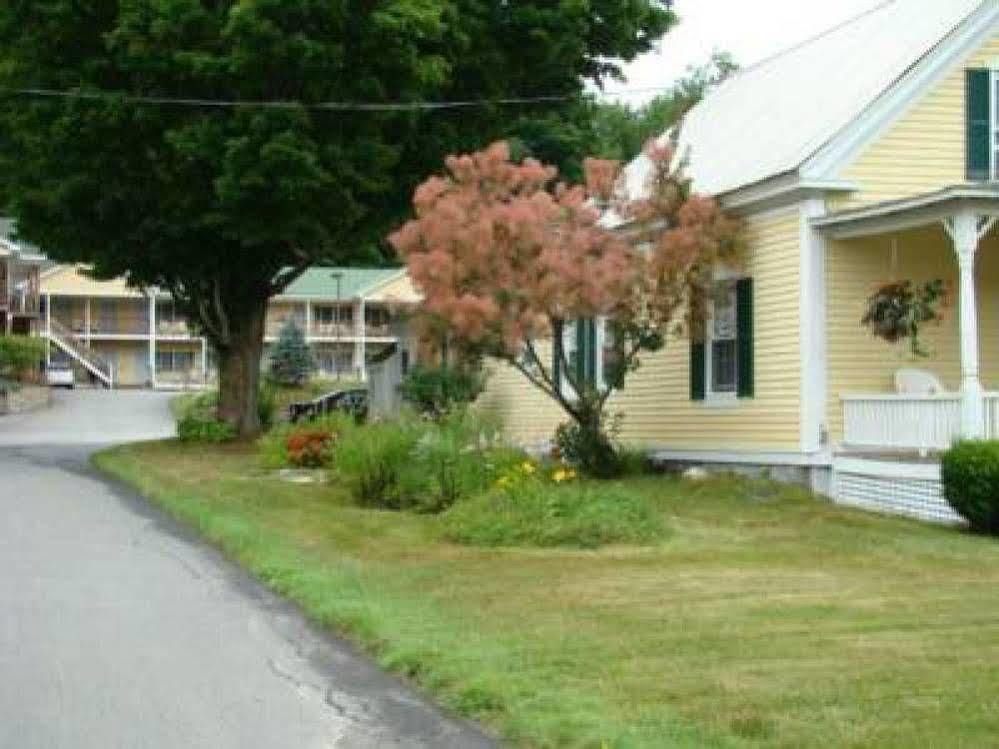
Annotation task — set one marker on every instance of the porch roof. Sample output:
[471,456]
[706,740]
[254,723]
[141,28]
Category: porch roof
[910,213]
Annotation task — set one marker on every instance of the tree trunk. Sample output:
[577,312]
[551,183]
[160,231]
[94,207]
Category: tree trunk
[239,371]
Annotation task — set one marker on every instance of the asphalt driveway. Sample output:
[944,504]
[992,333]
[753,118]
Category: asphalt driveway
[119,629]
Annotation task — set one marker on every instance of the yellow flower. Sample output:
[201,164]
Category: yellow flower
[560,475]
[529,468]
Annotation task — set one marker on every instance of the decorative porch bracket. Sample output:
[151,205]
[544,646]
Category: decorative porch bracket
[966,230]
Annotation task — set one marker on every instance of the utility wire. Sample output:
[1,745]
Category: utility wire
[46,93]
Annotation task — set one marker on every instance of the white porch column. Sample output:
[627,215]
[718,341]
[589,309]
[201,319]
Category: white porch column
[308,320]
[48,331]
[152,338]
[86,320]
[204,360]
[966,230]
[360,350]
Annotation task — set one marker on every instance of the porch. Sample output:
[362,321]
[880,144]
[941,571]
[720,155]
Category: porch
[946,236]
[889,414]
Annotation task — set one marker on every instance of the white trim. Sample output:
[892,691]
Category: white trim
[829,161]
[812,329]
[895,397]
[749,457]
[600,326]
[152,340]
[722,398]
[781,192]
[909,213]
[915,471]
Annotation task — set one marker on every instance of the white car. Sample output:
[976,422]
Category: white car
[60,375]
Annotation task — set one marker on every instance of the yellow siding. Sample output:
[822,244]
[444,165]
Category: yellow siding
[528,416]
[656,403]
[129,358]
[398,291]
[924,150]
[859,363]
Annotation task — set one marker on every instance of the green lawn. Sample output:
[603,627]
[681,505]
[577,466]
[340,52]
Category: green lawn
[767,619]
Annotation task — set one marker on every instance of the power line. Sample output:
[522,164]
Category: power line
[333,106]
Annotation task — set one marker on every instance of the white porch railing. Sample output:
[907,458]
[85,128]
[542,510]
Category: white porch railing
[903,422]
[910,422]
[991,416]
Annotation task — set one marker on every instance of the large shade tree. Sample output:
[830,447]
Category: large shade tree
[507,256]
[223,201]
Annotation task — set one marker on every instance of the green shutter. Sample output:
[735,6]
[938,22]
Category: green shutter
[591,352]
[978,107]
[746,367]
[586,352]
[698,386]
[557,345]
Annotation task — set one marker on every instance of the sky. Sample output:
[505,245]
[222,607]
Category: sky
[751,30]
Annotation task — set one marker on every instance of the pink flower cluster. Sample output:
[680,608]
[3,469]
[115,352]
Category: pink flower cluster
[501,250]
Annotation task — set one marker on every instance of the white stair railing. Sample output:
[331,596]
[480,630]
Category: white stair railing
[75,347]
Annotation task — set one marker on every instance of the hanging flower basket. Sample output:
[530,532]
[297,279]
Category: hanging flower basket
[897,311]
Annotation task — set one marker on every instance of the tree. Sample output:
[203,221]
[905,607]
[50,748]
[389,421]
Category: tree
[291,361]
[620,131]
[506,257]
[224,205]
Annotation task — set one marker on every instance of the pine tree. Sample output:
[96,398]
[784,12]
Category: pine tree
[291,361]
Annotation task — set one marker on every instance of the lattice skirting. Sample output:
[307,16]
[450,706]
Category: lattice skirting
[910,489]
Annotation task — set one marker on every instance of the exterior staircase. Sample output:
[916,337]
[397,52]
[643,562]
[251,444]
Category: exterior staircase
[77,349]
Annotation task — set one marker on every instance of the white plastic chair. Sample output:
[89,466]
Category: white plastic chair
[917,382]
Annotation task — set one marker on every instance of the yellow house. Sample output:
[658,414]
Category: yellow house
[866,155]
[120,336]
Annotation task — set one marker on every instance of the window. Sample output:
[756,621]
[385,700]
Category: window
[592,354]
[167,312]
[377,316]
[722,366]
[722,337]
[174,360]
[330,315]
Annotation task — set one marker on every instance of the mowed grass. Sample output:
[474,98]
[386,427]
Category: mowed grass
[767,618]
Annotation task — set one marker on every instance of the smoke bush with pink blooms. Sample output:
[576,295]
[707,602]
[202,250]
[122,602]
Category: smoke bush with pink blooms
[505,255]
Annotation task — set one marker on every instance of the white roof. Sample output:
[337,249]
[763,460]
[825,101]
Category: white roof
[770,118]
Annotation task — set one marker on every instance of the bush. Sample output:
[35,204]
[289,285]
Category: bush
[457,458]
[375,462]
[20,355]
[291,360]
[266,406]
[273,445]
[196,427]
[573,514]
[589,449]
[197,416]
[310,448]
[971,483]
[441,390]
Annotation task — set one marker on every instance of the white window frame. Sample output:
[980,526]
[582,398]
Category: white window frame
[727,398]
[993,123]
[174,355]
[569,344]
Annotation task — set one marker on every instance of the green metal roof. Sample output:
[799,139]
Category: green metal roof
[321,283]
